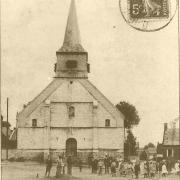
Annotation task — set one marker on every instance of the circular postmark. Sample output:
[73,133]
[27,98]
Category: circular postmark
[148,15]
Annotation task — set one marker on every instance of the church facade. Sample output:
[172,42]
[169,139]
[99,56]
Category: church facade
[71,115]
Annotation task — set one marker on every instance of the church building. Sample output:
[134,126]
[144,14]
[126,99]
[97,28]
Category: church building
[70,115]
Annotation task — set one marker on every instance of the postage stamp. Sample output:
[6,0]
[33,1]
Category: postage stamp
[148,9]
[148,15]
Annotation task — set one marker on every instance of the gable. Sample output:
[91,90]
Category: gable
[103,101]
[40,98]
[71,91]
[171,137]
[75,90]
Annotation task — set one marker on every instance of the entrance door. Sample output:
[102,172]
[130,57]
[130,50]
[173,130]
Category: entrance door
[71,147]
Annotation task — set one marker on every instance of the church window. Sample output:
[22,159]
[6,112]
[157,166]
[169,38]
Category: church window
[71,111]
[71,64]
[107,122]
[34,123]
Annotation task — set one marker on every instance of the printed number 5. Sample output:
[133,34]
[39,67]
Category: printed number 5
[135,9]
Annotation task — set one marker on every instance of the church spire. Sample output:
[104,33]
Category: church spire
[72,59]
[72,40]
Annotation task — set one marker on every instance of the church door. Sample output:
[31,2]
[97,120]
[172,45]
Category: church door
[71,147]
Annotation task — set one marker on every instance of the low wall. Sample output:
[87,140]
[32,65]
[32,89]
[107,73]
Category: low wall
[40,155]
[20,155]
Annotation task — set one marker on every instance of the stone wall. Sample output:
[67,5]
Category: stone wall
[41,155]
[20,155]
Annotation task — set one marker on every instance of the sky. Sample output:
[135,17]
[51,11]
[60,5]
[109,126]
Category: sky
[126,65]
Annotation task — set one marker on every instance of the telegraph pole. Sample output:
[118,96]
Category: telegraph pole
[7,138]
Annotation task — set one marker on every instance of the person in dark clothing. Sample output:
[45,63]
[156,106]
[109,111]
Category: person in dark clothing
[113,168]
[136,170]
[92,165]
[48,166]
[147,163]
[79,161]
[95,165]
[106,164]
[90,159]
[69,165]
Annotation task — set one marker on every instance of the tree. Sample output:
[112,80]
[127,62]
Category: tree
[130,148]
[143,156]
[131,117]
[149,145]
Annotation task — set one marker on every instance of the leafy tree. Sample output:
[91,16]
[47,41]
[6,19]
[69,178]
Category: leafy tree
[130,113]
[149,145]
[143,156]
[130,148]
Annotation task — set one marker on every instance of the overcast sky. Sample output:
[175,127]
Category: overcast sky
[126,64]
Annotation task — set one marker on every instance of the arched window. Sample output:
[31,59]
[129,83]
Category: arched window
[107,122]
[71,111]
[34,122]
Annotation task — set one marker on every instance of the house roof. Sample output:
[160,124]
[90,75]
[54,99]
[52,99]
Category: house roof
[151,150]
[13,135]
[5,123]
[171,137]
[57,82]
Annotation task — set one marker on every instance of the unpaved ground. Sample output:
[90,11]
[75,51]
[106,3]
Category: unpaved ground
[29,171]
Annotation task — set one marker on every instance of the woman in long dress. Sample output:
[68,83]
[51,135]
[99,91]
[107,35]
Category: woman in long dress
[164,170]
[177,168]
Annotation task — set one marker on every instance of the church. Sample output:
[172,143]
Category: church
[71,115]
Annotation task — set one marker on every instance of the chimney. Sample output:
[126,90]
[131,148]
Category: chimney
[165,126]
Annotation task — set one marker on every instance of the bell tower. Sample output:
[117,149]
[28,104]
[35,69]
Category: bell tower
[72,59]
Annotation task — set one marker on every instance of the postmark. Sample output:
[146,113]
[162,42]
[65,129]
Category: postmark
[148,15]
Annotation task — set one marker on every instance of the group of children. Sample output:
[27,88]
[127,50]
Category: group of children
[115,167]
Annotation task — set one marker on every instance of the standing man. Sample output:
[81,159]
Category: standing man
[48,166]
[106,164]
[69,165]
[136,170]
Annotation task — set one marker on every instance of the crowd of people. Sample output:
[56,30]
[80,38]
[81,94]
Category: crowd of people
[118,167]
[114,167]
[60,167]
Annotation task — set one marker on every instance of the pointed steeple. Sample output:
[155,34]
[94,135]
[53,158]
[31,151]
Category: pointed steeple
[72,40]
[72,59]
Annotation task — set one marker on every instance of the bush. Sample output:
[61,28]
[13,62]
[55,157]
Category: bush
[39,158]
[12,159]
[20,159]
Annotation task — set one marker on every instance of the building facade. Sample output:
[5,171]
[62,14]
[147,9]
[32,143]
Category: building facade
[170,147]
[71,115]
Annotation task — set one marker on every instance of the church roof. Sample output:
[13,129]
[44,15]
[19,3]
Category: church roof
[101,98]
[57,83]
[72,40]
[171,137]
[40,98]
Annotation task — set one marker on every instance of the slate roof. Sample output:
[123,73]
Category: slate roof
[171,137]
